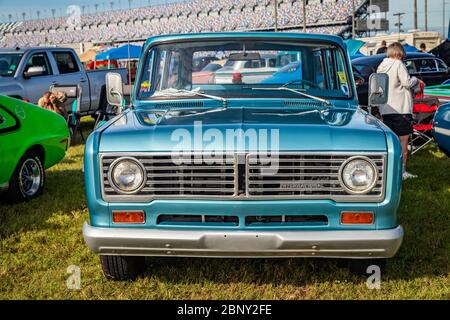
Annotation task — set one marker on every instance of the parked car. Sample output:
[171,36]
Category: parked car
[32,140]
[206,75]
[288,73]
[242,170]
[431,70]
[201,62]
[441,92]
[441,128]
[247,70]
[26,73]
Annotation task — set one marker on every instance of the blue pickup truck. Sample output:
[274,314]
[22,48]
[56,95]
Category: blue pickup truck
[236,169]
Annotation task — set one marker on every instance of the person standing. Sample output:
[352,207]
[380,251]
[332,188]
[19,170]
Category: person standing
[423,48]
[383,47]
[397,112]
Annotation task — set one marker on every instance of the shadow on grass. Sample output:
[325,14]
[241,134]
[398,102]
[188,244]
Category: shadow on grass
[86,126]
[63,194]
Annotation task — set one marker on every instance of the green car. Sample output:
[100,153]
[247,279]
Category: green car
[32,139]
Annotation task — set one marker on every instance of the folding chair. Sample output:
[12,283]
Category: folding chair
[423,113]
[74,94]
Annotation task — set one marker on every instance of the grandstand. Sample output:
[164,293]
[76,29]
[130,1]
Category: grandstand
[322,16]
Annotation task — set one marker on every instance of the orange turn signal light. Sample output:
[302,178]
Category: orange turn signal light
[357,217]
[128,216]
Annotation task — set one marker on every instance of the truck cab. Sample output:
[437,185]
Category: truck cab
[279,168]
[26,73]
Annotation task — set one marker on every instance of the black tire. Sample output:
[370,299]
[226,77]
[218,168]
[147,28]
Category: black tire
[121,268]
[359,267]
[20,190]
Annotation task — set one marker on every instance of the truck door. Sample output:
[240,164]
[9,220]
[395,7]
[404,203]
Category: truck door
[70,73]
[36,85]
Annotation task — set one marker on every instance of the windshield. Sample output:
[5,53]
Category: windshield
[9,63]
[232,69]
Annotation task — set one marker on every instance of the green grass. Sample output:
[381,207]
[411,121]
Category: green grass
[41,238]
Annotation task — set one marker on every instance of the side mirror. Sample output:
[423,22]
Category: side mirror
[378,89]
[114,89]
[34,71]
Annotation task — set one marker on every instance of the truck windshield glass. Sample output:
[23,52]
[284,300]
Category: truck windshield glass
[9,63]
[230,69]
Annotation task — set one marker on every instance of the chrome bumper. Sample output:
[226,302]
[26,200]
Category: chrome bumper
[243,244]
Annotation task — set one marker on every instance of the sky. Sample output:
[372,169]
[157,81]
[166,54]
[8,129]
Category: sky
[436,19]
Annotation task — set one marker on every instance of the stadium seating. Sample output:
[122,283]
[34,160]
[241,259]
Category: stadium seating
[323,16]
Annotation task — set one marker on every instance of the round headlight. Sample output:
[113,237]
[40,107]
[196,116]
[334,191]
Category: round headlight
[358,175]
[127,175]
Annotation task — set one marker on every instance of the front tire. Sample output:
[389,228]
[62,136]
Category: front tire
[27,181]
[122,268]
[359,267]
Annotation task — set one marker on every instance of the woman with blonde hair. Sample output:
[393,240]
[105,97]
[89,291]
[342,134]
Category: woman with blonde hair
[397,113]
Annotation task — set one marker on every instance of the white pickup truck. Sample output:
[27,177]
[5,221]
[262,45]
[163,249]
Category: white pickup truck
[26,73]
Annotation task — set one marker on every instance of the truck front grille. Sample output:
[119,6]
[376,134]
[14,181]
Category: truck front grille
[170,176]
[294,175]
[304,175]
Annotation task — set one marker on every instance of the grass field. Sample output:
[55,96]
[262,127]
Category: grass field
[40,239]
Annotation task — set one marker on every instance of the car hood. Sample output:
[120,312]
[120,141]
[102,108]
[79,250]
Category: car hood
[243,129]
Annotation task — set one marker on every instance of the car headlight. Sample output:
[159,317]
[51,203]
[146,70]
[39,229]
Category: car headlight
[127,175]
[358,175]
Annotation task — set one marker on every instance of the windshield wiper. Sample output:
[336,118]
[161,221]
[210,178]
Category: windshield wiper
[324,101]
[171,92]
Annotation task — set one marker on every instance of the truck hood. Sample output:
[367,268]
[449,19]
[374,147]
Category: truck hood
[235,129]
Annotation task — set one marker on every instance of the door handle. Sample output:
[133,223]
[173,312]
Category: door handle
[83,80]
[54,83]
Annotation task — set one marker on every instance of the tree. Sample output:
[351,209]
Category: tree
[38,13]
[24,14]
[112,5]
[96,7]
[10,17]
[53,13]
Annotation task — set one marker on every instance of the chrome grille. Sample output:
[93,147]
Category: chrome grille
[168,176]
[297,175]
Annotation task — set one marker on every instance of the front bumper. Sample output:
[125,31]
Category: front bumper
[244,244]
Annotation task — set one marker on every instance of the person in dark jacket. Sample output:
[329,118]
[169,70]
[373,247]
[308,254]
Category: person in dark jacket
[383,47]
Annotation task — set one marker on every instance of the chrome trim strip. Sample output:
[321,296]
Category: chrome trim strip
[235,156]
[239,244]
[442,131]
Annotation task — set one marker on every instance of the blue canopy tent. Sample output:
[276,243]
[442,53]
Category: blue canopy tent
[127,51]
[409,48]
[354,46]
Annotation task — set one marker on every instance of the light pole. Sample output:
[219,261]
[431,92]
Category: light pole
[426,15]
[399,15]
[304,16]
[353,20]
[415,14]
[276,14]
[443,18]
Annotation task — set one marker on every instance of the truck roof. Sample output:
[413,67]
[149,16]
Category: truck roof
[256,35]
[23,50]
